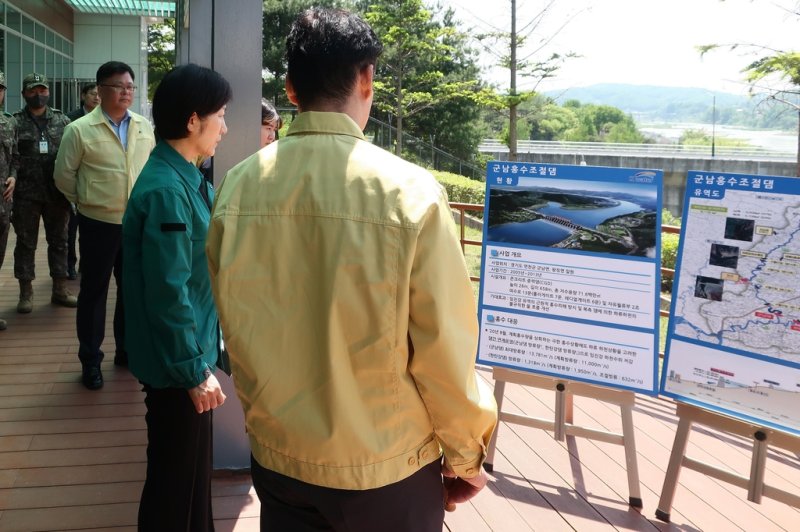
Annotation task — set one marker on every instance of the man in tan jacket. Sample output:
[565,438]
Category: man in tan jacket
[100,157]
[347,310]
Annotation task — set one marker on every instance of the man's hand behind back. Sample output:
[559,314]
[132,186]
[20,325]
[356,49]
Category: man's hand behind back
[458,490]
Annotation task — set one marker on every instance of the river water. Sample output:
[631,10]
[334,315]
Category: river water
[780,141]
[544,233]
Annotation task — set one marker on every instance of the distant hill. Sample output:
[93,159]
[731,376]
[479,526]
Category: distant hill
[650,103]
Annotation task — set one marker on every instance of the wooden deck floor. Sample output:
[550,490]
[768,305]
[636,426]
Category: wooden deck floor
[72,459]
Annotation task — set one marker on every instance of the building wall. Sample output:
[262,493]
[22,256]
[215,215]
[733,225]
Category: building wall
[102,38]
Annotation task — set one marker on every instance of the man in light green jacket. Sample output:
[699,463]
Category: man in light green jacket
[347,310]
[98,162]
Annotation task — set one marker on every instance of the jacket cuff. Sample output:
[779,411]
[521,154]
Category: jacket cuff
[467,469]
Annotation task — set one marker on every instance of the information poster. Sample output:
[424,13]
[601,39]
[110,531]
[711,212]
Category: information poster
[734,338]
[571,272]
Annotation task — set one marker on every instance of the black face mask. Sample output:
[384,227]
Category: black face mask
[37,101]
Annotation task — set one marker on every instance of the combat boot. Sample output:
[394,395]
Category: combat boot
[62,296]
[25,305]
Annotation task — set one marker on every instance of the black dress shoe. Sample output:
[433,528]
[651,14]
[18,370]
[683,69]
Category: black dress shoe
[71,273]
[92,377]
[121,358]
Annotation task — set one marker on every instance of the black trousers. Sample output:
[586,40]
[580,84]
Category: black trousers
[72,233]
[414,504]
[100,246]
[177,492]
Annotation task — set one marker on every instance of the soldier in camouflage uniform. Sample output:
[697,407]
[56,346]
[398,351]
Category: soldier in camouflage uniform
[39,132]
[8,143]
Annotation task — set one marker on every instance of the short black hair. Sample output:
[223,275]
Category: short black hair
[185,90]
[270,114]
[325,50]
[86,88]
[112,68]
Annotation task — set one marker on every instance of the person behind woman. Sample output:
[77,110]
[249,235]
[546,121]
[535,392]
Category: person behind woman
[173,338]
[271,122]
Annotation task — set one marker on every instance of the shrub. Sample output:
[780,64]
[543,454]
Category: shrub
[669,253]
[461,189]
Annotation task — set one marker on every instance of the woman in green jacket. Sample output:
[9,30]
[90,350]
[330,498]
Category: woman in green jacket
[172,339]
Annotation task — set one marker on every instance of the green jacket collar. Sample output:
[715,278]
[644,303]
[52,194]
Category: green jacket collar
[311,122]
[186,170]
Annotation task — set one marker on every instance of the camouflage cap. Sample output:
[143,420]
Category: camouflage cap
[34,80]
[2,79]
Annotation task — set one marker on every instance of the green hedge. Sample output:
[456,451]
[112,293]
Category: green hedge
[461,189]
[669,253]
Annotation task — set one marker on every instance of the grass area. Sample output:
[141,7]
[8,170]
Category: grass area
[472,254]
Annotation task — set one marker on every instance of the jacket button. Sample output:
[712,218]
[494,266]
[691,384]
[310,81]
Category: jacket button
[412,461]
[424,455]
[470,471]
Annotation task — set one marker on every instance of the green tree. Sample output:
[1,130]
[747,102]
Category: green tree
[775,73]
[532,62]
[453,124]
[417,71]
[160,52]
[278,16]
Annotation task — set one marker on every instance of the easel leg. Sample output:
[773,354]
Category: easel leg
[631,462]
[562,398]
[758,466]
[674,469]
[499,390]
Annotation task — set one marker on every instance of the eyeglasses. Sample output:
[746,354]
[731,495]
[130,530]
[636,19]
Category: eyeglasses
[121,88]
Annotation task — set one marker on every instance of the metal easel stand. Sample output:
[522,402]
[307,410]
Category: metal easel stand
[754,484]
[562,426]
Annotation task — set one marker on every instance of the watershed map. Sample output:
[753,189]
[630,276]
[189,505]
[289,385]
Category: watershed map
[739,284]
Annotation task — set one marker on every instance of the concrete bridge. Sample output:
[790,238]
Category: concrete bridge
[674,160]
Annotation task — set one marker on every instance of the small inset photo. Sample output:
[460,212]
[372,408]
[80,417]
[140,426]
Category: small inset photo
[724,256]
[739,229]
[708,288]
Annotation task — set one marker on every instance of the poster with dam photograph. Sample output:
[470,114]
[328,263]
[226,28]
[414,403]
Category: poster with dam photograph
[733,343]
[571,272]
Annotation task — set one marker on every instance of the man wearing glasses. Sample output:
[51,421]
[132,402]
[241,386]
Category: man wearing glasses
[100,157]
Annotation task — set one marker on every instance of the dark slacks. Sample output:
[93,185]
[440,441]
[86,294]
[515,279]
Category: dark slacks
[72,233]
[177,492]
[100,246]
[414,504]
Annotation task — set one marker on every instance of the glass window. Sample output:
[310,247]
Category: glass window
[13,19]
[51,64]
[2,13]
[38,34]
[13,72]
[50,38]
[68,48]
[27,27]
[39,65]
[27,57]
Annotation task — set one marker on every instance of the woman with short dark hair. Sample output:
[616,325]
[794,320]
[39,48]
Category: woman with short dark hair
[271,122]
[173,332]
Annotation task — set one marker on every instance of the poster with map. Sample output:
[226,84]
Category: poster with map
[570,272]
[734,339]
